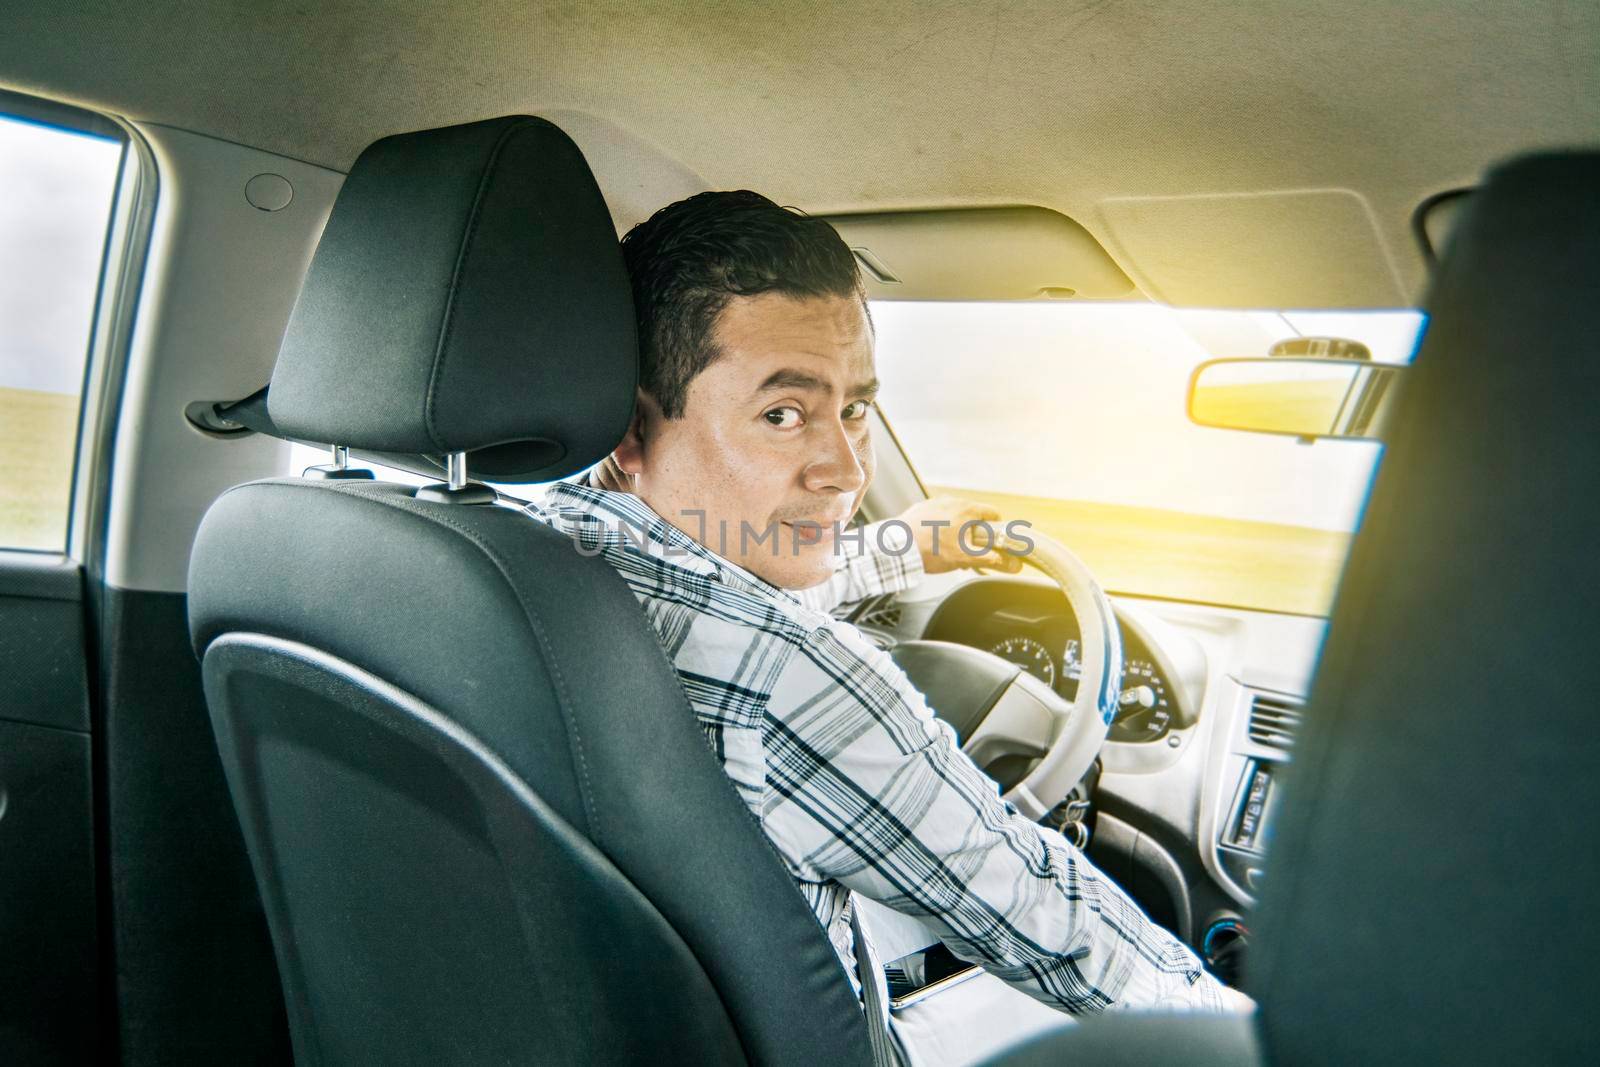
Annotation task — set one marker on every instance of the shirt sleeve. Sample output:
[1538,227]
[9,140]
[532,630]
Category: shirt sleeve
[884,560]
[866,787]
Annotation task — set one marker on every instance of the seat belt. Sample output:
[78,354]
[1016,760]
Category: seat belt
[874,994]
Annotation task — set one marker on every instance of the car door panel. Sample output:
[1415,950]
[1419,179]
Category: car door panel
[48,925]
[196,977]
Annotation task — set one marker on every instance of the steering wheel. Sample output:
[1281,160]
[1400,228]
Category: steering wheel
[999,710]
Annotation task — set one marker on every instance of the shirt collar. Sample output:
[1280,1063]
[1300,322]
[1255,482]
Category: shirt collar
[624,520]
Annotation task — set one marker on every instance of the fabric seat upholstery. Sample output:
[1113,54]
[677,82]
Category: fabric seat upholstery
[486,825]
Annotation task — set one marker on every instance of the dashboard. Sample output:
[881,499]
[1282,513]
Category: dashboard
[1211,699]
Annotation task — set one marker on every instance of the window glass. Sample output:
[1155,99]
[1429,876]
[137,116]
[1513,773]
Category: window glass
[56,192]
[1074,417]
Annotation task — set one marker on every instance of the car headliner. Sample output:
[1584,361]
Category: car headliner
[1207,145]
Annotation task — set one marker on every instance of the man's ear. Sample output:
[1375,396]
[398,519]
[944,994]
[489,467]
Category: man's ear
[629,453]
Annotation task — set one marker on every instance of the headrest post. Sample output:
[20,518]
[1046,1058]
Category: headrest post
[456,489]
[339,470]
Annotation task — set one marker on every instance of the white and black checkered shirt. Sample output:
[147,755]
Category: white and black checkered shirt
[856,782]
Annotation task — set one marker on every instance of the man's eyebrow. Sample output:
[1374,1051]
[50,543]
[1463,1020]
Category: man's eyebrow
[789,378]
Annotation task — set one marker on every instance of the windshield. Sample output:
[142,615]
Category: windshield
[1073,417]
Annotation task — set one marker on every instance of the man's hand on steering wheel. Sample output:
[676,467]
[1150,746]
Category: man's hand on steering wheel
[937,527]
[1023,716]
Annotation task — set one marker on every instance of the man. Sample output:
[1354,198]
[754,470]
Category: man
[723,509]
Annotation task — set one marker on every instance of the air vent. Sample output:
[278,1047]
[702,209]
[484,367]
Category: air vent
[1274,720]
[885,615]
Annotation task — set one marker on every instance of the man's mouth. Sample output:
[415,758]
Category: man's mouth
[812,531]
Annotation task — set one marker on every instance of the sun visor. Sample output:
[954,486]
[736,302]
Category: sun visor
[1313,248]
[1001,253]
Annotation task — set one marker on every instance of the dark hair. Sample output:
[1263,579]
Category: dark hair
[690,257]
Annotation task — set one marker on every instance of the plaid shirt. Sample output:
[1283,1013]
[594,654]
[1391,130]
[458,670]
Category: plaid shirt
[856,782]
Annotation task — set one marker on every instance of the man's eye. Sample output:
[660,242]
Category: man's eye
[857,409]
[783,418]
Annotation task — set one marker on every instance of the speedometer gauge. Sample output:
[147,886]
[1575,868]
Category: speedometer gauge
[1143,712]
[1030,655]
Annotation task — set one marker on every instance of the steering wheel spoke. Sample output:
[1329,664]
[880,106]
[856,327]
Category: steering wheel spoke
[1037,744]
[1023,722]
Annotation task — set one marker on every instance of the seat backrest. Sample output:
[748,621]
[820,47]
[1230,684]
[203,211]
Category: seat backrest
[484,821]
[1434,866]
[1431,882]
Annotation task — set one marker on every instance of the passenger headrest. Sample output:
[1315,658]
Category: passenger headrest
[468,295]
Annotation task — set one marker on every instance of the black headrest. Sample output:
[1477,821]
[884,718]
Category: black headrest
[1430,890]
[468,295]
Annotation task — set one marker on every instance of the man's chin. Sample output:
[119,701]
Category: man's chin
[795,568]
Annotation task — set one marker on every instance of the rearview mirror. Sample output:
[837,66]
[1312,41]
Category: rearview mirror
[1307,398]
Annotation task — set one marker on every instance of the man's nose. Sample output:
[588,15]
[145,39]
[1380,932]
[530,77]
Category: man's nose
[836,466]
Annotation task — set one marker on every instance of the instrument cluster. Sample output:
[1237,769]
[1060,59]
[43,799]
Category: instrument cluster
[1145,713]
[1027,626]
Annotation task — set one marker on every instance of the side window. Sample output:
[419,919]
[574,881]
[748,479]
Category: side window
[57,187]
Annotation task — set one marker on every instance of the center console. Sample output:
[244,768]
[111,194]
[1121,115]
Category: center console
[1261,732]
[1260,736]
[1243,833]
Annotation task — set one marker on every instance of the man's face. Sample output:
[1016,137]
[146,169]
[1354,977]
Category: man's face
[773,437]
